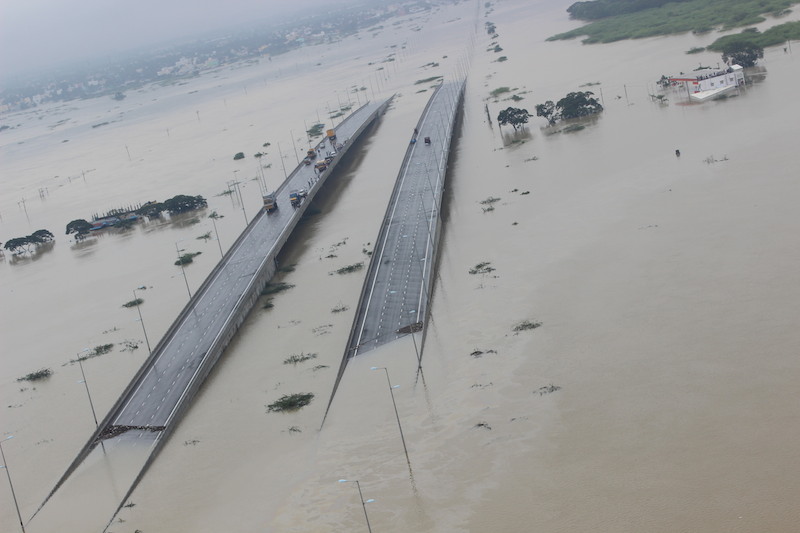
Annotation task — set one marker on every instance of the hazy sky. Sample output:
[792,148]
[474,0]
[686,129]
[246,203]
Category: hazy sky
[41,33]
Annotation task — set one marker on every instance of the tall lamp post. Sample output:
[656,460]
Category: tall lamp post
[361,497]
[135,299]
[89,395]
[235,183]
[14,494]
[214,216]
[394,404]
[86,384]
[180,262]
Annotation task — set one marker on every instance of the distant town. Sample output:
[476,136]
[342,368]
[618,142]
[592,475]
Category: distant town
[167,64]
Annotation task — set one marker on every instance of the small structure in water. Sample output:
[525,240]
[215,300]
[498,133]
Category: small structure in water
[708,84]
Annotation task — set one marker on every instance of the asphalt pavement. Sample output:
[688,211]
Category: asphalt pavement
[154,399]
[398,284]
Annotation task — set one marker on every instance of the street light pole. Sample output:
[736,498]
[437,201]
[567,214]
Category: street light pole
[394,404]
[214,216]
[239,192]
[86,384]
[135,298]
[13,494]
[361,497]
[180,261]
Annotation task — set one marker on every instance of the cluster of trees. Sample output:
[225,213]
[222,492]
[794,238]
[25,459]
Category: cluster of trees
[614,20]
[598,9]
[514,116]
[747,47]
[573,105]
[744,54]
[80,228]
[27,244]
[177,204]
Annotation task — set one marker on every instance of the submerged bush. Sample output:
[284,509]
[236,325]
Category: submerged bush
[525,325]
[290,402]
[350,268]
[274,288]
[133,303]
[44,373]
[481,268]
[299,358]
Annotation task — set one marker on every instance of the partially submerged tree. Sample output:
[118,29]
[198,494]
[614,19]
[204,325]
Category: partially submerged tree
[41,236]
[80,228]
[514,116]
[548,111]
[19,245]
[151,210]
[578,104]
[183,203]
[742,53]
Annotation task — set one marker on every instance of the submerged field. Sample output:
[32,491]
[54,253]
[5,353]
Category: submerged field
[696,16]
[611,345]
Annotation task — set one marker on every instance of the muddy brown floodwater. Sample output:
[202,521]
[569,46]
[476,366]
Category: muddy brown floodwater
[657,395]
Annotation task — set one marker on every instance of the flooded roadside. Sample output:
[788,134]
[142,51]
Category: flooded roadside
[663,287]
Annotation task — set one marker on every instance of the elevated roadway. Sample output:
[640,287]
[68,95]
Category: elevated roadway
[395,298]
[162,389]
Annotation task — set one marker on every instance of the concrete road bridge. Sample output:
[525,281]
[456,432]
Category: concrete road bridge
[162,390]
[395,298]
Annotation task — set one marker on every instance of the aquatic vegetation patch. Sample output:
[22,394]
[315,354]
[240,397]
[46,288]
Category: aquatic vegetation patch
[526,325]
[97,351]
[130,345]
[315,130]
[482,268]
[294,359]
[290,402]
[477,353]
[547,389]
[348,269]
[573,128]
[427,80]
[611,22]
[500,90]
[38,375]
[187,258]
[275,288]
[340,308]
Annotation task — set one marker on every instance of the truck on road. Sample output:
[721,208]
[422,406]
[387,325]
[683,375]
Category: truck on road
[311,155]
[270,203]
[295,199]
